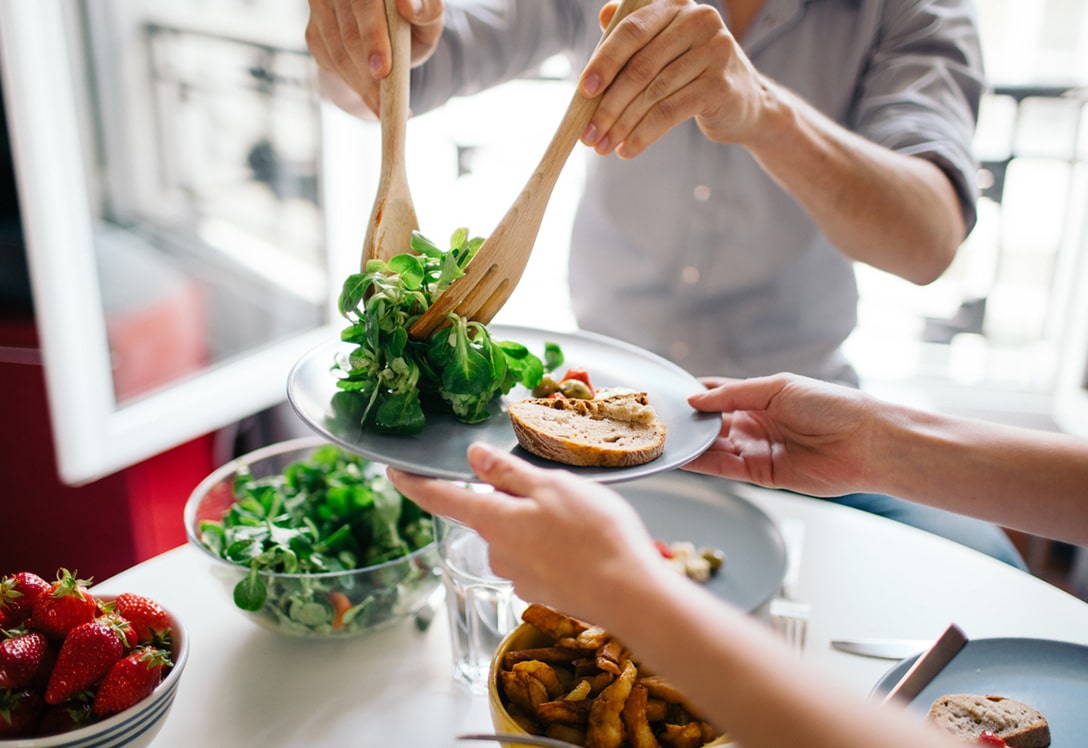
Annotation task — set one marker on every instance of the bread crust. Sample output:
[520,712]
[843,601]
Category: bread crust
[617,431]
[969,715]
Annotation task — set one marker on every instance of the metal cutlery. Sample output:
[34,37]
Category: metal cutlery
[928,666]
[513,739]
[884,649]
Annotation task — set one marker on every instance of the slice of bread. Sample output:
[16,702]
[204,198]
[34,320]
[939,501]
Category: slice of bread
[616,431]
[969,715]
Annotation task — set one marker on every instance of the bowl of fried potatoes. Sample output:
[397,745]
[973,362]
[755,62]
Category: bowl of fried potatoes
[563,678]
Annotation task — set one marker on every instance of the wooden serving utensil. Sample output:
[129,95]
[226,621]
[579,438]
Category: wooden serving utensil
[393,218]
[493,273]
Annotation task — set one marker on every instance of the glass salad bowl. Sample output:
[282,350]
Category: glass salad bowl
[311,540]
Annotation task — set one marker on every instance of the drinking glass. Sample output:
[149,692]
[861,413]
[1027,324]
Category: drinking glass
[482,606]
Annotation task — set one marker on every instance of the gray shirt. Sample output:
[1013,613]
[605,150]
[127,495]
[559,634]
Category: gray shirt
[690,250]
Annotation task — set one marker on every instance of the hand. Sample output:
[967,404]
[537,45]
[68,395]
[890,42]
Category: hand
[791,432]
[562,540]
[663,64]
[350,39]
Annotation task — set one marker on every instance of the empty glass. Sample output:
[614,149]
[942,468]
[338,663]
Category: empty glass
[482,606]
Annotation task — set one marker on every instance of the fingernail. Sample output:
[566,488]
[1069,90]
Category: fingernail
[589,137]
[604,145]
[417,8]
[375,65]
[591,84]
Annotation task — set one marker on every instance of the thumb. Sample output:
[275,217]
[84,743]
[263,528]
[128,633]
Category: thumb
[738,394]
[507,473]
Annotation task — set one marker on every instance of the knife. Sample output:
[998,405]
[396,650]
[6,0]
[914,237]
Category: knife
[885,649]
[929,665]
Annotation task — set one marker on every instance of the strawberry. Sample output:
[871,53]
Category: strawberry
[19,712]
[87,654]
[66,605]
[26,659]
[65,717]
[130,680]
[18,593]
[147,617]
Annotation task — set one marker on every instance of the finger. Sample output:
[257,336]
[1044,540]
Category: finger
[627,37]
[732,395]
[506,472]
[447,499]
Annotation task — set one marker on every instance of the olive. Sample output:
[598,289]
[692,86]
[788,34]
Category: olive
[714,557]
[576,389]
[547,386]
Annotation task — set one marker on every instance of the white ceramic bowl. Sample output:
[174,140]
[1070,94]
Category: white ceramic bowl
[134,727]
[299,604]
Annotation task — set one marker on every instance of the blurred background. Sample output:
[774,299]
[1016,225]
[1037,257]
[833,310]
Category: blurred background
[179,208]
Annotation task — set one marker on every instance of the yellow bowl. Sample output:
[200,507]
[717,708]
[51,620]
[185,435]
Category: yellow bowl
[525,636]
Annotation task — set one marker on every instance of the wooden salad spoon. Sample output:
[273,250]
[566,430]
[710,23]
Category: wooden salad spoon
[393,217]
[495,270]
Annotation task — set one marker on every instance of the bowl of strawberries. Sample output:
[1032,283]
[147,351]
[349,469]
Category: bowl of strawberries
[78,669]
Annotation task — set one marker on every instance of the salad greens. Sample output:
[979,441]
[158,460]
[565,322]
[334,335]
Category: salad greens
[331,512]
[461,369]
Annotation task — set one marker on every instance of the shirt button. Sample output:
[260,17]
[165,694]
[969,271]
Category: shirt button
[701,193]
[690,275]
[680,350]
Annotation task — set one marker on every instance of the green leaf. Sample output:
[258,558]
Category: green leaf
[250,594]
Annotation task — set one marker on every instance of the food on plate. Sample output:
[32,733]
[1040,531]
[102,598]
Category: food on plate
[618,430]
[973,716]
[69,658]
[583,686]
[332,511]
[698,564]
[389,381]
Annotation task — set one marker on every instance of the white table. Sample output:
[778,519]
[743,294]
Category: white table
[865,576]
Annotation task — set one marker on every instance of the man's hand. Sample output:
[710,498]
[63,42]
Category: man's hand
[349,39]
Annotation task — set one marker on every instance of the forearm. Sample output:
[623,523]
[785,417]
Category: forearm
[744,680]
[1029,480]
[895,212]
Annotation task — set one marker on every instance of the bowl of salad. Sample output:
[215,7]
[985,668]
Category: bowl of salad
[311,540]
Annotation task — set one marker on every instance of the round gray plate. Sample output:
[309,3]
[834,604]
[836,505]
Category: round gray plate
[439,450]
[680,506]
[1051,676]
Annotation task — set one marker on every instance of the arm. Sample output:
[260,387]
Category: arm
[791,432]
[898,212]
[546,528]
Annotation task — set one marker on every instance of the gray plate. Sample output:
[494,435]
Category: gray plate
[1051,676]
[681,506]
[439,450]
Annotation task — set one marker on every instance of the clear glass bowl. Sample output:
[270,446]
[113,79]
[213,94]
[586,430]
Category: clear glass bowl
[310,604]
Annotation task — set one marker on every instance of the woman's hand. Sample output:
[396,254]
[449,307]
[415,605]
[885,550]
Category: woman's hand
[663,64]
[564,541]
[787,431]
[349,40]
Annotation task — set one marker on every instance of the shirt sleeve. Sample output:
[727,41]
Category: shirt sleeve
[921,91]
[489,42]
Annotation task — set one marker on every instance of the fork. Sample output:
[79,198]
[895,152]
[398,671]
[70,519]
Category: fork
[496,268]
[790,616]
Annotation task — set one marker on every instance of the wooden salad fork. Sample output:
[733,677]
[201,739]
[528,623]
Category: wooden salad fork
[393,217]
[495,270]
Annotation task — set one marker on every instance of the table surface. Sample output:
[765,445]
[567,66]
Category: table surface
[865,576]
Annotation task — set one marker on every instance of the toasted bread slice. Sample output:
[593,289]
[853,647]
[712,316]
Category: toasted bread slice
[616,431]
[969,715]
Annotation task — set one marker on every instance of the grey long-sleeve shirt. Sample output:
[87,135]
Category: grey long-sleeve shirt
[690,250]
